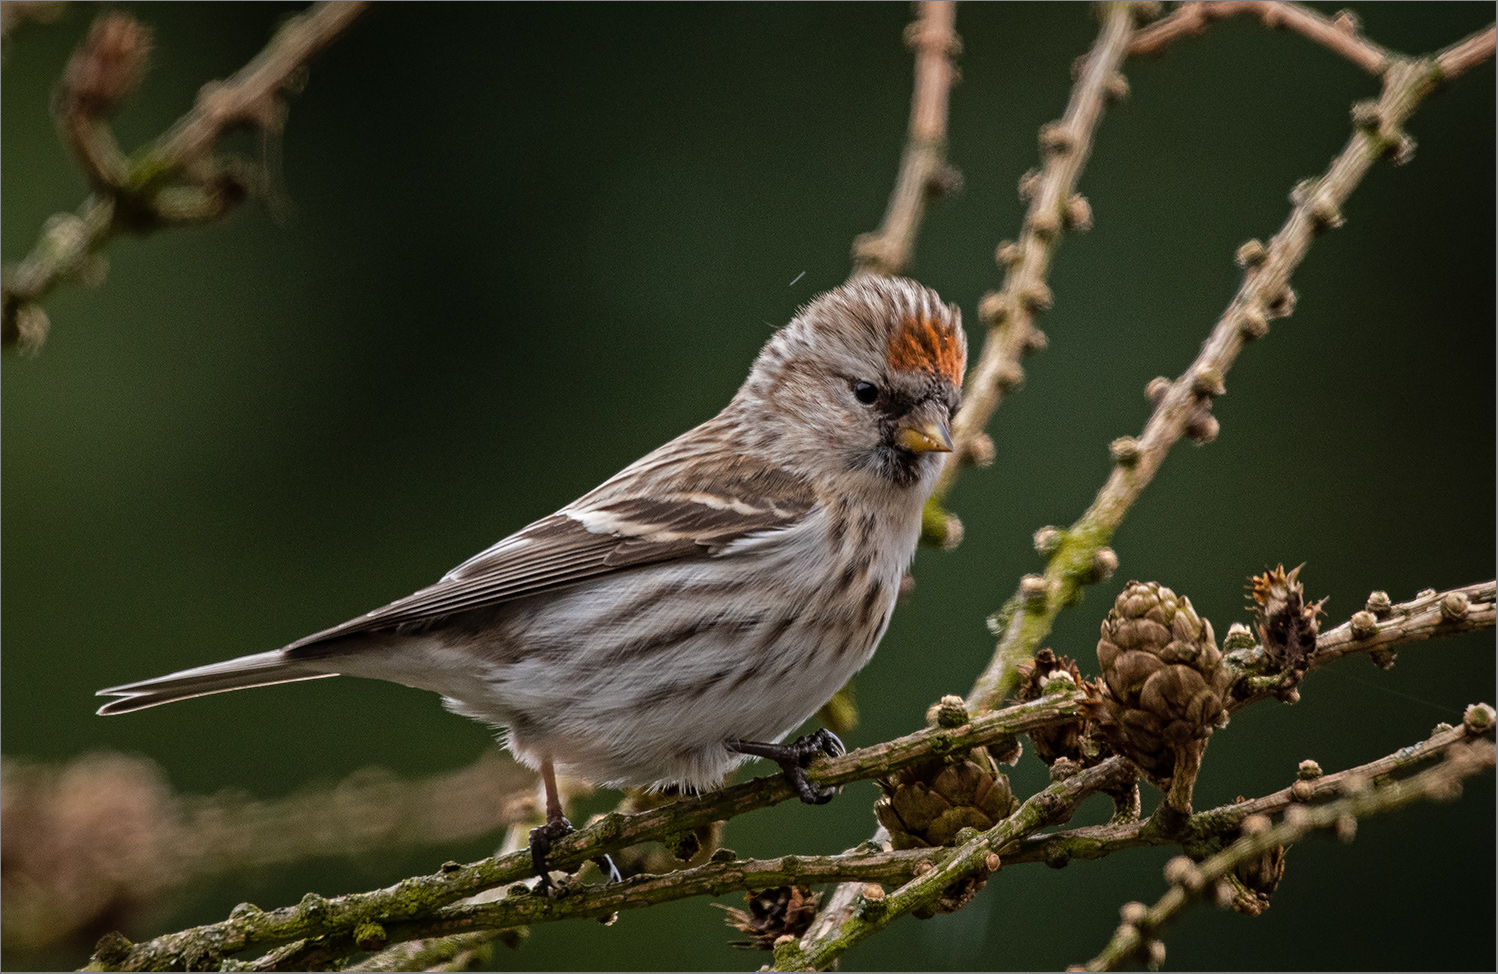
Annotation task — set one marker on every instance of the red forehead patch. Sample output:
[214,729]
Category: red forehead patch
[925,344]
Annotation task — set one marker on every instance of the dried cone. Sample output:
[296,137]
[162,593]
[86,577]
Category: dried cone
[773,913]
[1164,685]
[1287,623]
[1058,740]
[1259,877]
[927,804]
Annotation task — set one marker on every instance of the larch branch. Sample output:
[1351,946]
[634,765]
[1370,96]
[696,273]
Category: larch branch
[1466,54]
[1011,312]
[924,171]
[1339,34]
[979,855]
[1098,841]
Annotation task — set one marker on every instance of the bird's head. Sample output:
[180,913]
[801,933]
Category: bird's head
[861,386]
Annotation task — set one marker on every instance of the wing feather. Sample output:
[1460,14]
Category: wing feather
[604,533]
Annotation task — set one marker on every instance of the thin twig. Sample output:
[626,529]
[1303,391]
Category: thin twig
[839,905]
[1195,882]
[1380,629]
[924,171]
[1466,54]
[1098,841]
[1010,313]
[1183,406]
[1339,34]
[431,954]
[253,89]
[1464,609]
[173,183]
[101,74]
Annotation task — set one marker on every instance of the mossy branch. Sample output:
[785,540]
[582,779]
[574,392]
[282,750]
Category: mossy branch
[421,896]
[317,930]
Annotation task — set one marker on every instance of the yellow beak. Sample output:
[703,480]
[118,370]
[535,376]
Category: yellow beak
[929,437]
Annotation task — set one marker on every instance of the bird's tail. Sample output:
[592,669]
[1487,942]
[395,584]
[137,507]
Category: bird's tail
[255,670]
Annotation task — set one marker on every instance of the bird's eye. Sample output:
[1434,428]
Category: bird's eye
[865,392]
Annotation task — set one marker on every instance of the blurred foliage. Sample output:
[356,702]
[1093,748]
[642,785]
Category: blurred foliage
[527,244]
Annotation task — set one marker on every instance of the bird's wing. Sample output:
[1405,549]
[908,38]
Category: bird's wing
[608,531]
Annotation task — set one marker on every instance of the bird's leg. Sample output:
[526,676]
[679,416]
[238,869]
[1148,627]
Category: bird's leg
[795,757]
[557,827]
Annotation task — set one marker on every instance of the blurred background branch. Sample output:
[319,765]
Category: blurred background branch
[1340,34]
[103,842]
[176,181]
[924,173]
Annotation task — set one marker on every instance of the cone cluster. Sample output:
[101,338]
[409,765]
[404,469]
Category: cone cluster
[1259,878]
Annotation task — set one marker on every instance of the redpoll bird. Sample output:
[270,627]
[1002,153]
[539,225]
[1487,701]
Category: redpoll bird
[703,602]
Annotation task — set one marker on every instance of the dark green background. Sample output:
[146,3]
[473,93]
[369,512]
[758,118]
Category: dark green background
[532,243]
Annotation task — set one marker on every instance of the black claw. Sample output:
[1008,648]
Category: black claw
[541,841]
[795,757]
[805,790]
[822,740]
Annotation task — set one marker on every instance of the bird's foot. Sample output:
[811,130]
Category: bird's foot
[795,757]
[542,838]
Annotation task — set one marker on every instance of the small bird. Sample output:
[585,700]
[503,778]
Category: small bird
[703,602]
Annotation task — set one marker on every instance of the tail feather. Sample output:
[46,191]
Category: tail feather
[256,670]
